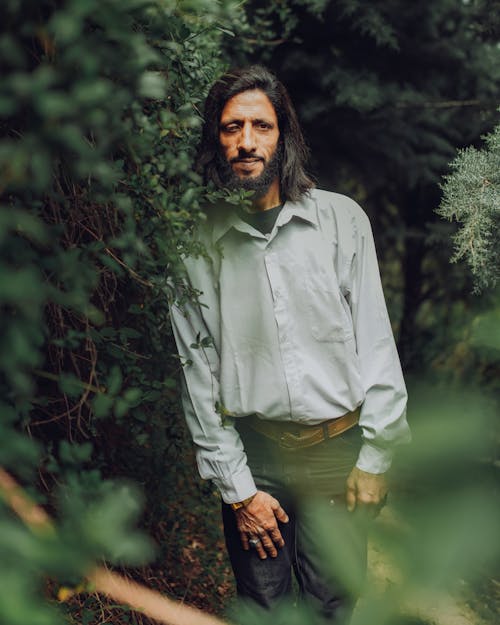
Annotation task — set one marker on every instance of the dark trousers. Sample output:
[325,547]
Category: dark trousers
[325,546]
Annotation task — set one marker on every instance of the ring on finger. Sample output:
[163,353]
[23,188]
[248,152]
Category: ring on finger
[254,542]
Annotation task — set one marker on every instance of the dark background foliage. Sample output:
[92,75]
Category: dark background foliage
[100,110]
[386,93]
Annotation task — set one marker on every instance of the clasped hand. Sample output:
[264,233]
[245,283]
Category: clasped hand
[259,519]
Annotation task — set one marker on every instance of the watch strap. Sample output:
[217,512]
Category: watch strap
[241,504]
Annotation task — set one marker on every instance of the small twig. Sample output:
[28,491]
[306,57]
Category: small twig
[55,377]
[133,273]
[271,42]
[129,351]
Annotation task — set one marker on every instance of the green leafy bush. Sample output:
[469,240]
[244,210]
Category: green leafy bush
[99,117]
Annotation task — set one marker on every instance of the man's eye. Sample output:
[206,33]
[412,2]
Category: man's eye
[231,128]
[264,126]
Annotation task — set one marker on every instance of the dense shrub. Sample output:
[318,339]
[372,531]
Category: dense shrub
[99,114]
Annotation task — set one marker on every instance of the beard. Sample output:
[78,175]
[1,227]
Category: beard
[258,184]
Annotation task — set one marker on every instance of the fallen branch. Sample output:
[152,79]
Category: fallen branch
[148,602]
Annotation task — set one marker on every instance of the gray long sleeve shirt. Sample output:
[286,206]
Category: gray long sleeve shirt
[299,332]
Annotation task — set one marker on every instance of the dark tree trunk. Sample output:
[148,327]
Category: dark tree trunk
[417,204]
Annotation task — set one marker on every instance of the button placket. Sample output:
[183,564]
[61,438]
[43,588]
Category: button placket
[285,337]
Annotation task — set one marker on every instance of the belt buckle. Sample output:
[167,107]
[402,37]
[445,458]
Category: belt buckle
[289,441]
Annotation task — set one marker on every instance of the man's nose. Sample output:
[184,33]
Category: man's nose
[247,139]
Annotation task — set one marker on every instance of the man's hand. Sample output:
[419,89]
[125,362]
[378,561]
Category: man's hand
[259,519]
[366,490]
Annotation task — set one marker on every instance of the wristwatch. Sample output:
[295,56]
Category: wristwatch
[241,504]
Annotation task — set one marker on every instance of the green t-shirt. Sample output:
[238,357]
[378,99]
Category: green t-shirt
[263,221]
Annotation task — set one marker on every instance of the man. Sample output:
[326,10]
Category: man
[300,350]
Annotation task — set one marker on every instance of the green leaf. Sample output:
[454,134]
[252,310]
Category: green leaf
[130,333]
[73,454]
[121,407]
[101,405]
[133,396]
[115,380]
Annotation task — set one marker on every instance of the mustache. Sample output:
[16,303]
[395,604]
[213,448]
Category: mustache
[244,156]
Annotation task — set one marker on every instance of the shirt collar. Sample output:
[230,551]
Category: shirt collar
[227,217]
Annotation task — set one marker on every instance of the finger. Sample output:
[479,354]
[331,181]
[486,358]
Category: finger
[350,499]
[268,545]
[380,505]
[277,537]
[244,541]
[280,514]
[261,551]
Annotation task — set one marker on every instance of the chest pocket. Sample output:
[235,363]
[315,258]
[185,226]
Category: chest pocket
[328,312]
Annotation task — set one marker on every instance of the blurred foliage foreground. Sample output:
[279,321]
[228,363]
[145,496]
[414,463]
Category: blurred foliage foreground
[438,536]
[99,113]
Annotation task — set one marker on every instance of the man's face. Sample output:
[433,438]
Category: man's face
[248,136]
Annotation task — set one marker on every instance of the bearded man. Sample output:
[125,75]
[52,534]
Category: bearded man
[299,392]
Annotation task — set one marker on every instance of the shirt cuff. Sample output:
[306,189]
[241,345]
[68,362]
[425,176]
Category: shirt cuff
[373,459]
[240,487]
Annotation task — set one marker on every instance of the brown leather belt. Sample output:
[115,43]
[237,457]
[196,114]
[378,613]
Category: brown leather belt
[302,436]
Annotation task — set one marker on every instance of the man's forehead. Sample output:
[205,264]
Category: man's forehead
[250,103]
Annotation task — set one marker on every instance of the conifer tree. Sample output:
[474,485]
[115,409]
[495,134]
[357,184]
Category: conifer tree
[472,198]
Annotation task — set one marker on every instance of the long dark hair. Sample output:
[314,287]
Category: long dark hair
[294,181]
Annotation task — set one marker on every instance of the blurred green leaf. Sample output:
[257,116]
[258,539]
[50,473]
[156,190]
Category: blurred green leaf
[115,380]
[133,396]
[152,85]
[101,405]
[486,330]
[70,384]
[75,454]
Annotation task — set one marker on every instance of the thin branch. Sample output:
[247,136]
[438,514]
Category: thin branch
[271,42]
[147,601]
[133,273]
[33,516]
[55,378]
